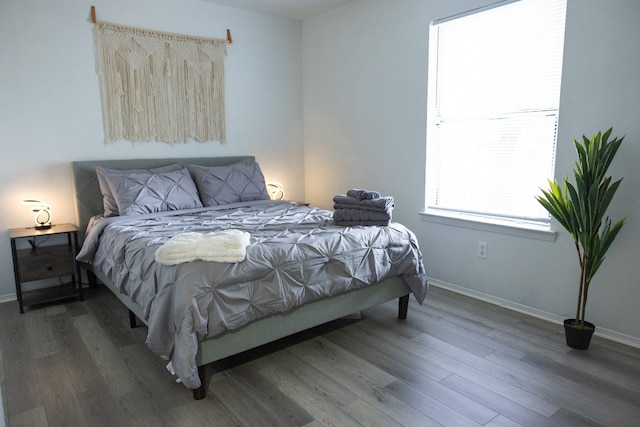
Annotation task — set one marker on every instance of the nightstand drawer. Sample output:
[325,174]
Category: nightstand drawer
[46,266]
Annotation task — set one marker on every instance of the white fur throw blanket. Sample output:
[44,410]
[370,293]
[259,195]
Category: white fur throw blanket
[220,246]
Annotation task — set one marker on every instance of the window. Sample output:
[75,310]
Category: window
[494,91]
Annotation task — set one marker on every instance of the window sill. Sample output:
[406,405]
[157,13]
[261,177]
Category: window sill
[493,225]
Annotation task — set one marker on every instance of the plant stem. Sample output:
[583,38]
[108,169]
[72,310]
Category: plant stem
[584,304]
[582,275]
[584,290]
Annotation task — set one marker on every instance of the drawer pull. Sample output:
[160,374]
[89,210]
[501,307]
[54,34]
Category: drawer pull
[49,268]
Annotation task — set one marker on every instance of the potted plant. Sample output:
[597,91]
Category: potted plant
[580,208]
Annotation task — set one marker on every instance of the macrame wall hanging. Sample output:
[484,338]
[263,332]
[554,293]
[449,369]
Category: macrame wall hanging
[160,86]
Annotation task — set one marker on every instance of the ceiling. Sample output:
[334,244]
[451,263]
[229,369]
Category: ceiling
[298,10]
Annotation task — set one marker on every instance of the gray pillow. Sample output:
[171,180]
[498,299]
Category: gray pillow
[239,182]
[145,192]
[114,176]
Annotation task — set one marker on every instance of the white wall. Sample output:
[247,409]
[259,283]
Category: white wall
[50,110]
[365,69]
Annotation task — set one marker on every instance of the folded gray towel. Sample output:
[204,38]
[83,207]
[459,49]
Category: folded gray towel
[381,204]
[359,215]
[362,223]
[359,194]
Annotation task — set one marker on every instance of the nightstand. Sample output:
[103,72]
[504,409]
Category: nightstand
[44,262]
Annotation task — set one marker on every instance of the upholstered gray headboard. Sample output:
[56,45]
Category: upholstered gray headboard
[88,197]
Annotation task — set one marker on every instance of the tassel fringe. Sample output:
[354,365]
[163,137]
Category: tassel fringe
[160,86]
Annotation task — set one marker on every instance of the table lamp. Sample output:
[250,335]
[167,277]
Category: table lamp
[275,190]
[42,211]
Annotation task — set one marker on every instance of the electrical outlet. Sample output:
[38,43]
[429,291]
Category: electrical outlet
[483,248]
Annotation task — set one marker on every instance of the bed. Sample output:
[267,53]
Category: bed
[250,270]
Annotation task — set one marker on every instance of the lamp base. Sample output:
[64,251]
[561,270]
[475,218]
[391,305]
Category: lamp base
[43,227]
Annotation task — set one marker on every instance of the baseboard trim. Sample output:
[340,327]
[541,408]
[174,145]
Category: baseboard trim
[531,311]
[8,297]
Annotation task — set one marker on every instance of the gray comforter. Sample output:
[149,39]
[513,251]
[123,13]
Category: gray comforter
[296,255]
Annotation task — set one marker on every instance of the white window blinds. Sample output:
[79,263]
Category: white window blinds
[494,92]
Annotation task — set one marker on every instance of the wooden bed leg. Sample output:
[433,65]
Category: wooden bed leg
[403,307]
[133,322]
[201,392]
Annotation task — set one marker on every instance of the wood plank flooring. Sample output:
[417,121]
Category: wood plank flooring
[454,362]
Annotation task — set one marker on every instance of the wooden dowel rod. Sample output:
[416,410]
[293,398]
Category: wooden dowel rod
[93,20]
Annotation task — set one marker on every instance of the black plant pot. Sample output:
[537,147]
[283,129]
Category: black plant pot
[578,338]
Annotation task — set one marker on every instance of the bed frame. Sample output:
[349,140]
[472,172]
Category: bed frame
[89,203]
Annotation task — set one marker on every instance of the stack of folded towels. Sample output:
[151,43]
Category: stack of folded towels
[362,207]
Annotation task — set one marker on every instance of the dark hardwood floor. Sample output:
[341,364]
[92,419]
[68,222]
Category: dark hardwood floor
[453,362]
